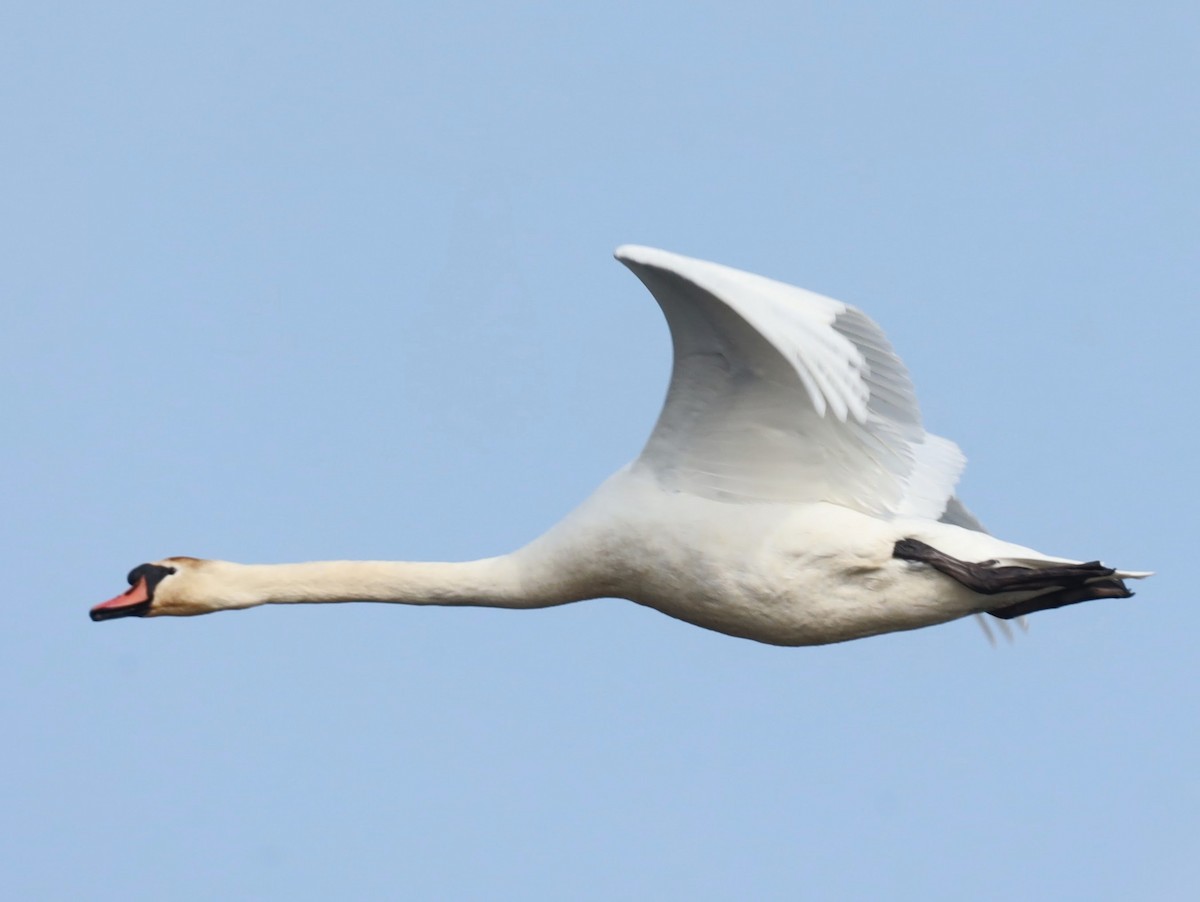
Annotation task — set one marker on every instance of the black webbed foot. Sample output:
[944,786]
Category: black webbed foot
[1066,583]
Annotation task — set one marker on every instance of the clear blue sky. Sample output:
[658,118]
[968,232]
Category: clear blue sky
[286,281]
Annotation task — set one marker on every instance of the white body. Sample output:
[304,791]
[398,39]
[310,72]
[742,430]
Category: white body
[788,461]
[786,574]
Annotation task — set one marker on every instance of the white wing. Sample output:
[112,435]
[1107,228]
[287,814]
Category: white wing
[780,394]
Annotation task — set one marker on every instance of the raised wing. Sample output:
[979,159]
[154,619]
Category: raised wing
[780,394]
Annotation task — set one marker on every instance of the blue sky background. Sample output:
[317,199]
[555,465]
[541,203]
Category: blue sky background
[290,281]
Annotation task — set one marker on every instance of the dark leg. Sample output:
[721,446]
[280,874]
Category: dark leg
[1069,583]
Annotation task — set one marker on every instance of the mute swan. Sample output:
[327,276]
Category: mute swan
[788,494]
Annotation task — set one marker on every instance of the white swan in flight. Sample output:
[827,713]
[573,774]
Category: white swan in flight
[788,494]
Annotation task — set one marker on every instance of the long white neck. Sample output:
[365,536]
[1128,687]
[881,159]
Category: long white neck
[509,581]
[577,559]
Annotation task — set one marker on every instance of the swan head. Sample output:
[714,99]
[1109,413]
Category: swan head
[175,586]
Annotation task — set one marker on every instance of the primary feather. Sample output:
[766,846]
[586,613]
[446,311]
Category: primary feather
[781,394]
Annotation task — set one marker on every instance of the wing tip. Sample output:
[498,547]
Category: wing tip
[625,251]
[641,255]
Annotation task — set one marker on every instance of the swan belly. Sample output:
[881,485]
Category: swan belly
[811,575]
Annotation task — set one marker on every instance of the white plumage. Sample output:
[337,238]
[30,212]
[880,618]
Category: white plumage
[780,394]
[789,493]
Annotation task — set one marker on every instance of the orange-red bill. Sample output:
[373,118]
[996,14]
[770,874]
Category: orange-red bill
[133,603]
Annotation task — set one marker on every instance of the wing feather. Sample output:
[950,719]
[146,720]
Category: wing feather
[781,394]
